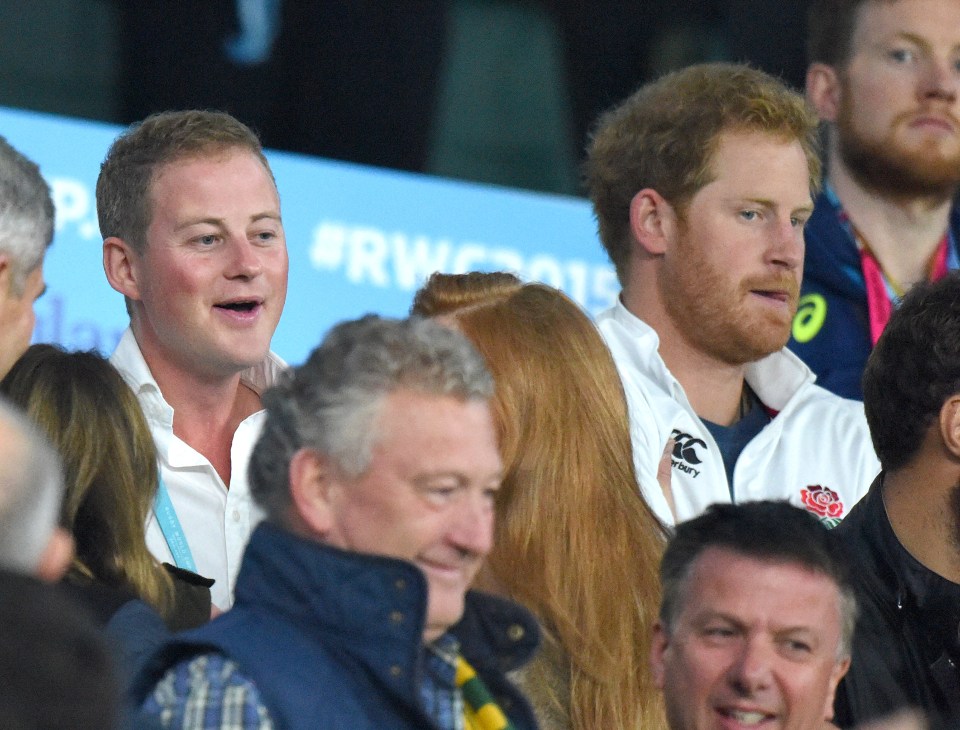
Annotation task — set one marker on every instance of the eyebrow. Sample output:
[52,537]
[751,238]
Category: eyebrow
[767,203]
[266,215]
[807,631]
[715,615]
[917,40]
[718,615]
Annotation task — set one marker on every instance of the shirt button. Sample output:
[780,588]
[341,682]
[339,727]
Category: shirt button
[516,632]
[396,617]
[400,584]
[395,671]
[236,515]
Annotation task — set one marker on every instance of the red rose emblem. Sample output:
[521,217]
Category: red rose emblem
[822,501]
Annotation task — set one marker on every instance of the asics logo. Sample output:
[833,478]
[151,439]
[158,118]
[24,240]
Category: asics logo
[686,447]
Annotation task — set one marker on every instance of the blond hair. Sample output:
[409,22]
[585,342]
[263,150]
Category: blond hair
[575,540]
[109,459]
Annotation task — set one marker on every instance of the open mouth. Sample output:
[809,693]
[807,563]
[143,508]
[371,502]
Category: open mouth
[745,717]
[241,306]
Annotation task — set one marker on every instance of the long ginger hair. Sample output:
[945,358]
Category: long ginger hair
[575,541]
[109,459]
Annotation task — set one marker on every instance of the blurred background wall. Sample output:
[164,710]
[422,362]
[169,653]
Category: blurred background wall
[497,91]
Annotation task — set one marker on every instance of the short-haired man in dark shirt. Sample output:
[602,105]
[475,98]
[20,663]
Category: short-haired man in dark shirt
[904,536]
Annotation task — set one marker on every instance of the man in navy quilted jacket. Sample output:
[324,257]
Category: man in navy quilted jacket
[378,468]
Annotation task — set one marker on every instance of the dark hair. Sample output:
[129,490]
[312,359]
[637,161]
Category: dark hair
[769,531]
[830,28]
[913,369]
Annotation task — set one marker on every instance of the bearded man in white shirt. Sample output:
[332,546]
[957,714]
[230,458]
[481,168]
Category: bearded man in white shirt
[701,183]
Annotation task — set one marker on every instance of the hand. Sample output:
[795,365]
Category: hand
[664,475]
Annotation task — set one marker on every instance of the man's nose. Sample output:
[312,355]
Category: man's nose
[939,79]
[472,528]
[787,246]
[244,258]
[752,669]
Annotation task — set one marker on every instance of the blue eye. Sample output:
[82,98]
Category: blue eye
[902,55]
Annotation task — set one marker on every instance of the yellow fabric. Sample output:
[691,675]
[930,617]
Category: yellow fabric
[464,672]
[480,712]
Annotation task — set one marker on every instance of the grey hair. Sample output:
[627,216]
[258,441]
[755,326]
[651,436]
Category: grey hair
[331,401]
[31,491]
[26,214]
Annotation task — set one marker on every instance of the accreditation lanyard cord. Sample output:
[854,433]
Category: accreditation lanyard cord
[171,529]
[883,294]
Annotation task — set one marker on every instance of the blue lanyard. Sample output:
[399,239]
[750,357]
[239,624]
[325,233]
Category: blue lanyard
[171,529]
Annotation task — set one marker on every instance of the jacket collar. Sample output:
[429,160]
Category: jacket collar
[342,595]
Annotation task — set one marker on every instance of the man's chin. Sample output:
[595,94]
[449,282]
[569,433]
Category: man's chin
[897,171]
[754,345]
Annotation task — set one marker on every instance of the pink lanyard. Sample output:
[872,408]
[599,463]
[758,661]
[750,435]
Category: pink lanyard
[882,293]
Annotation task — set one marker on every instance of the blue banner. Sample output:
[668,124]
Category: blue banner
[360,239]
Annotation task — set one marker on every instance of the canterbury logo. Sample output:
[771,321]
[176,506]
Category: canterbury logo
[686,447]
[685,454]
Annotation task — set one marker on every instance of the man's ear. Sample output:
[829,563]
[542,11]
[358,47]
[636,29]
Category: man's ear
[120,264]
[839,669]
[6,274]
[653,221]
[823,90]
[950,425]
[311,476]
[658,650]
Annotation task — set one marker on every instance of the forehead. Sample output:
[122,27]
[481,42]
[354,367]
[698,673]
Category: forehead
[761,165]
[206,166]
[761,592]
[420,430]
[933,20]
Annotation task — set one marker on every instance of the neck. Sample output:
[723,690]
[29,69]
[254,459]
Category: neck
[713,387]
[206,410]
[902,232]
[919,501]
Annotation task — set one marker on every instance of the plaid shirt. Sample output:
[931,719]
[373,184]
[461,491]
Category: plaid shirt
[441,697]
[209,692]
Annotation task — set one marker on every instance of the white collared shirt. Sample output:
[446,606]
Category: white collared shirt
[816,451]
[216,521]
